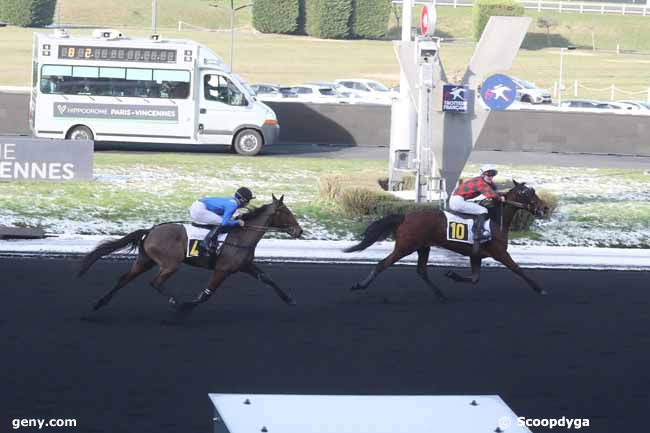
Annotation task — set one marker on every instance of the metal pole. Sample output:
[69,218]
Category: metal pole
[407,18]
[232,37]
[154,13]
[402,111]
[559,92]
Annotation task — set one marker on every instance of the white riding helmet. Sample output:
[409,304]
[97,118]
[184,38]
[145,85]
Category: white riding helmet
[488,167]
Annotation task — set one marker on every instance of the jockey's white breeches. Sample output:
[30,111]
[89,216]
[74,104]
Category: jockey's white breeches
[458,204]
[200,214]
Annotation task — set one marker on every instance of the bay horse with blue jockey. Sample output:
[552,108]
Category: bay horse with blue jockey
[166,245]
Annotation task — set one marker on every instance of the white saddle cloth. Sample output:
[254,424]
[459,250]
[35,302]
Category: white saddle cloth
[196,235]
[461,229]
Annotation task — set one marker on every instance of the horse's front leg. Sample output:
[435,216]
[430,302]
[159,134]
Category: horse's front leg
[259,274]
[215,281]
[475,261]
[505,258]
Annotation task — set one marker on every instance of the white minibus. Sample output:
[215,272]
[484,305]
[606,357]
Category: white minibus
[107,87]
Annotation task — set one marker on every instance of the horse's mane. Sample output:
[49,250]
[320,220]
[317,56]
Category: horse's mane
[254,212]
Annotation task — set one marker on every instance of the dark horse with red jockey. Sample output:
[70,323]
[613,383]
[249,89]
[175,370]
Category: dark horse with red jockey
[419,231]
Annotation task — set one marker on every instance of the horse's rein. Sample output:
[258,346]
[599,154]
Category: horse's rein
[257,229]
[264,228]
[527,207]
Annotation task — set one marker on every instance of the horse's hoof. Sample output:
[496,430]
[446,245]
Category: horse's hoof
[451,275]
[172,301]
[290,302]
[542,292]
[443,299]
[356,287]
[99,304]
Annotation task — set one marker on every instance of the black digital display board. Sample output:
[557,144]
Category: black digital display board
[118,54]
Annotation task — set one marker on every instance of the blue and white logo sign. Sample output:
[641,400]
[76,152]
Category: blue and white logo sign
[454,98]
[498,91]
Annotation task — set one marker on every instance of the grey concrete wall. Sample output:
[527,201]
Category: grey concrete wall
[14,112]
[525,130]
[332,124]
[618,134]
[370,125]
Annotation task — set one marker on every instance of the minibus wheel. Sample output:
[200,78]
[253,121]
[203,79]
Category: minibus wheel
[80,132]
[248,142]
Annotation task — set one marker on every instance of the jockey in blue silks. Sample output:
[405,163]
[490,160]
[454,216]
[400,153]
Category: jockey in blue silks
[219,211]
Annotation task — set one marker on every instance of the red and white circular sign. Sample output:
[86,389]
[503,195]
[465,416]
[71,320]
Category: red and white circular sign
[424,21]
[428,20]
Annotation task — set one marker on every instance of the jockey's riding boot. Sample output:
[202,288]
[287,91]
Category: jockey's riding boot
[210,241]
[478,232]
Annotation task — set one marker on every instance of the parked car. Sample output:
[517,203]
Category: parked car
[315,94]
[266,91]
[369,89]
[591,105]
[288,92]
[528,92]
[636,105]
[345,95]
[272,92]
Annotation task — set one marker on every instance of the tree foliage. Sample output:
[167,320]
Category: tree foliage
[276,16]
[482,10]
[370,18]
[27,13]
[328,19]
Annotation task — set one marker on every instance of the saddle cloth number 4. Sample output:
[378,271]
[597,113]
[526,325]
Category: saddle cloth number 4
[193,247]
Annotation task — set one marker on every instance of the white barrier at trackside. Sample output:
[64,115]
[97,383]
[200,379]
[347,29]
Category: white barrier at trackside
[306,251]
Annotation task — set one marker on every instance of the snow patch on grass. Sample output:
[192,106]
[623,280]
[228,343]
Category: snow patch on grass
[597,207]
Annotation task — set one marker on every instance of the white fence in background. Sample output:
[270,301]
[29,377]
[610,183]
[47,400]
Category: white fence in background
[615,93]
[183,25]
[559,6]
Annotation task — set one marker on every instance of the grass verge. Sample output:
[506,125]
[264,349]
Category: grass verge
[596,207]
[290,60]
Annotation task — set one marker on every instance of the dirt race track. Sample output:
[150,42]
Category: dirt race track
[581,352]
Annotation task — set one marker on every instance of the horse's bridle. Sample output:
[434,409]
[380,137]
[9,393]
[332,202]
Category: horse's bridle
[280,229]
[526,206]
[529,207]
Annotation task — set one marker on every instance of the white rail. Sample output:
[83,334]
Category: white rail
[559,6]
[612,90]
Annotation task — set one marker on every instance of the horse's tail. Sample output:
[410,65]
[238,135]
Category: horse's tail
[131,241]
[377,231]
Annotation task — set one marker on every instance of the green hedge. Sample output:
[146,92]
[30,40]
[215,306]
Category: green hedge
[482,10]
[27,13]
[370,18]
[276,16]
[328,19]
